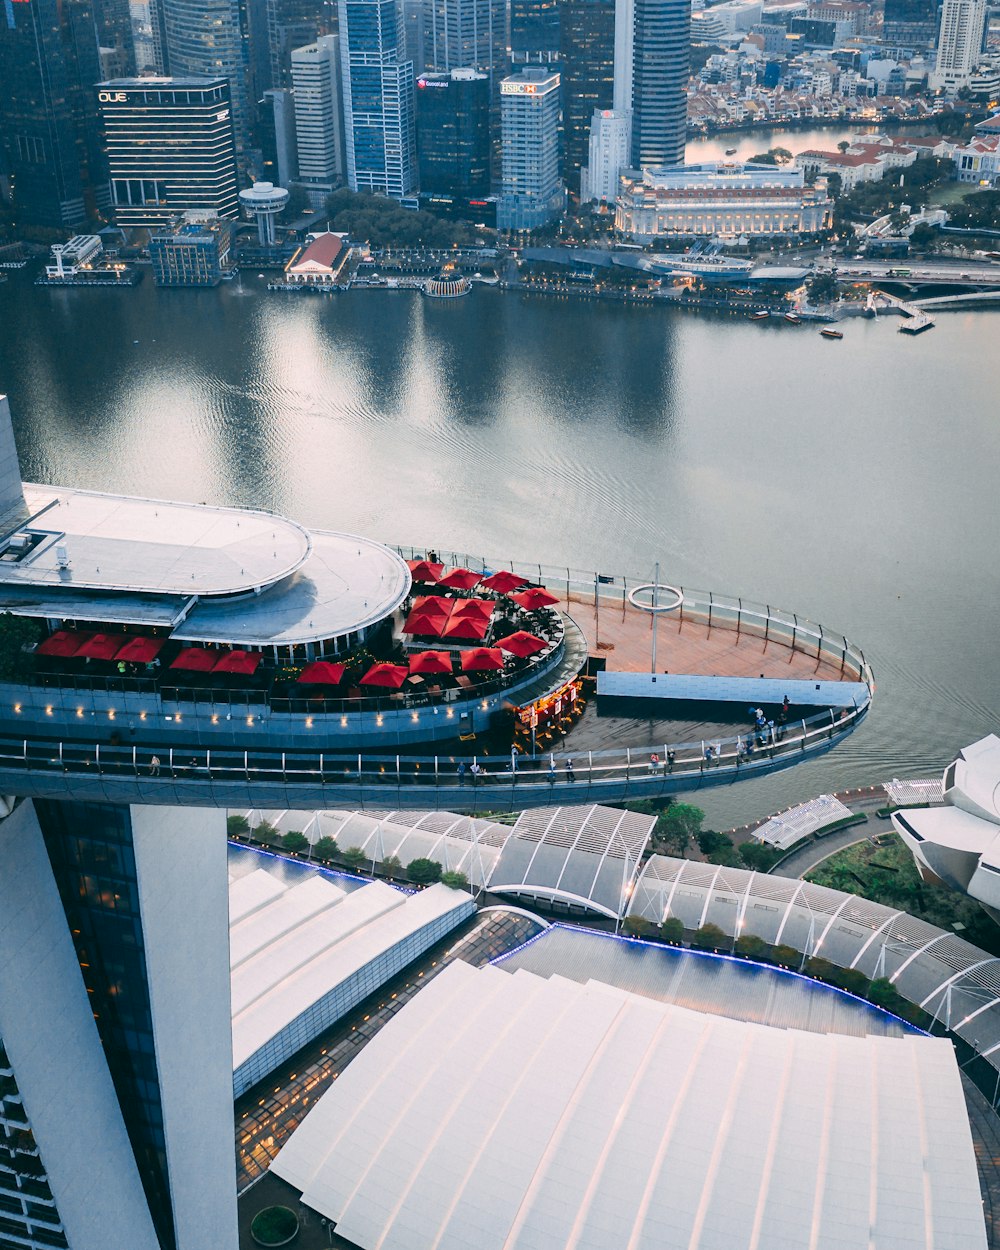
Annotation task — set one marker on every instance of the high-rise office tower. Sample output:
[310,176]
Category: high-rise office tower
[534,32]
[210,39]
[467,34]
[319,140]
[49,131]
[414,34]
[280,161]
[453,133]
[114,30]
[169,144]
[587,70]
[378,99]
[960,43]
[624,45]
[532,193]
[291,24]
[660,71]
[116,1054]
[910,23]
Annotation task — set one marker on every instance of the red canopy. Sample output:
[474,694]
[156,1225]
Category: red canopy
[103,646]
[321,673]
[237,661]
[424,571]
[522,643]
[536,597]
[63,643]
[474,607]
[430,662]
[141,650]
[391,675]
[461,579]
[482,660]
[434,605]
[196,660]
[424,624]
[468,628]
[503,582]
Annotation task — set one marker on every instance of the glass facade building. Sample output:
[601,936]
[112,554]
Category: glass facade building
[467,34]
[587,70]
[660,69]
[169,144]
[534,31]
[911,23]
[191,254]
[532,193]
[378,99]
[49,131]
[453,133]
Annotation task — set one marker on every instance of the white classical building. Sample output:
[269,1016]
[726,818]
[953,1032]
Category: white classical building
[720,199]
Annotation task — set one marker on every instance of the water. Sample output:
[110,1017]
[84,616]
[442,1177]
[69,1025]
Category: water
[750,143]
[852,482]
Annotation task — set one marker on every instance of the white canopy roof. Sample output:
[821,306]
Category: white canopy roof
[513,1112]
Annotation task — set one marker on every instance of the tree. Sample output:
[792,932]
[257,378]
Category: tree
[391,866]
[678,825]
[709,841]
[759,855]
[353,856]
[786,956]
[454,880]
[822,288]
[295,841]
[843,145]
[883,993]
[709,937]
[752,947]
[17,633]
[672,930]
[423,871]
[237,826]
[850,979]
[325,848]
[639,926]
[266,832]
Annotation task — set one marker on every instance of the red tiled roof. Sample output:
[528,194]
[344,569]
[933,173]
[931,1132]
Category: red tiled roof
[323,250]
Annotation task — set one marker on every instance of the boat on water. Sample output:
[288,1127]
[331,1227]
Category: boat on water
[828,332]
[761,315]
[793,318]
[730,151]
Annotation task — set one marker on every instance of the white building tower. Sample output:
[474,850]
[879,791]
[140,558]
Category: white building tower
[960,43]
[610,150]
[319,140]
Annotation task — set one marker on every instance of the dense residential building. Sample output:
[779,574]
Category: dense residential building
[534,32]
[378,99]
[453,133]
[210,39]
[587,71]
[466,34]
[116,1108]
[532,193]
[610,146]
[50,144]
[730,200]
[319,128]
[169,144]
[660,68]
[195,251]
[960,43]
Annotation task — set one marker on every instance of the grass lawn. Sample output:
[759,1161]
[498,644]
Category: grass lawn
[886,874]
[948,193]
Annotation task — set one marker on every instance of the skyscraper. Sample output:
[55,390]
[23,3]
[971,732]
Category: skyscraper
[660,70]
[960,43]
[378,99]
[116,1053]
[48,125]
[910,23]
[532,193]
[534,32]
[209,39]
[291,24]
[453,133]
[169,144]
[318,122]
[114,30]
[608,154]
[587,70]
[467,34]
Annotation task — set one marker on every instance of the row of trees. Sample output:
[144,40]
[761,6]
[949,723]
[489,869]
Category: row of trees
[710,937]
[384,223]
[325,850]
[679,826]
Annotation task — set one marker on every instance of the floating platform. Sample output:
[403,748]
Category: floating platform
[749,691]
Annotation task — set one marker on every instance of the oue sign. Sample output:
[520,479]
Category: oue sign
[112,97]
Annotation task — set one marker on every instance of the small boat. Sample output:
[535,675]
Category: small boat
[794,318]
[730,151]
[761,315]
[829,333]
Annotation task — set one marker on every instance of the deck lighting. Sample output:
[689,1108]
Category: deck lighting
[142,715]
[378,718]
[343,722]
[17,707]
[48,710]
[111,713]
[414,716]
[79,711]
[249,720]
[215,718]
[309,722]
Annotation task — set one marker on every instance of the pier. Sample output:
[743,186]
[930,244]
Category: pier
[916,320]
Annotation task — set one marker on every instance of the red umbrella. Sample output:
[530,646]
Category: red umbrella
[503,582]
[63,643]
[474,607]
[196,660]
[522,643]
[467,628]
[434,605]
[237,661]
[430,662]
[482,660]
[461,579]
[425,625]
[535,597]
[321,673]
[391,675]
[424,571]
[103,646]
[141,650]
